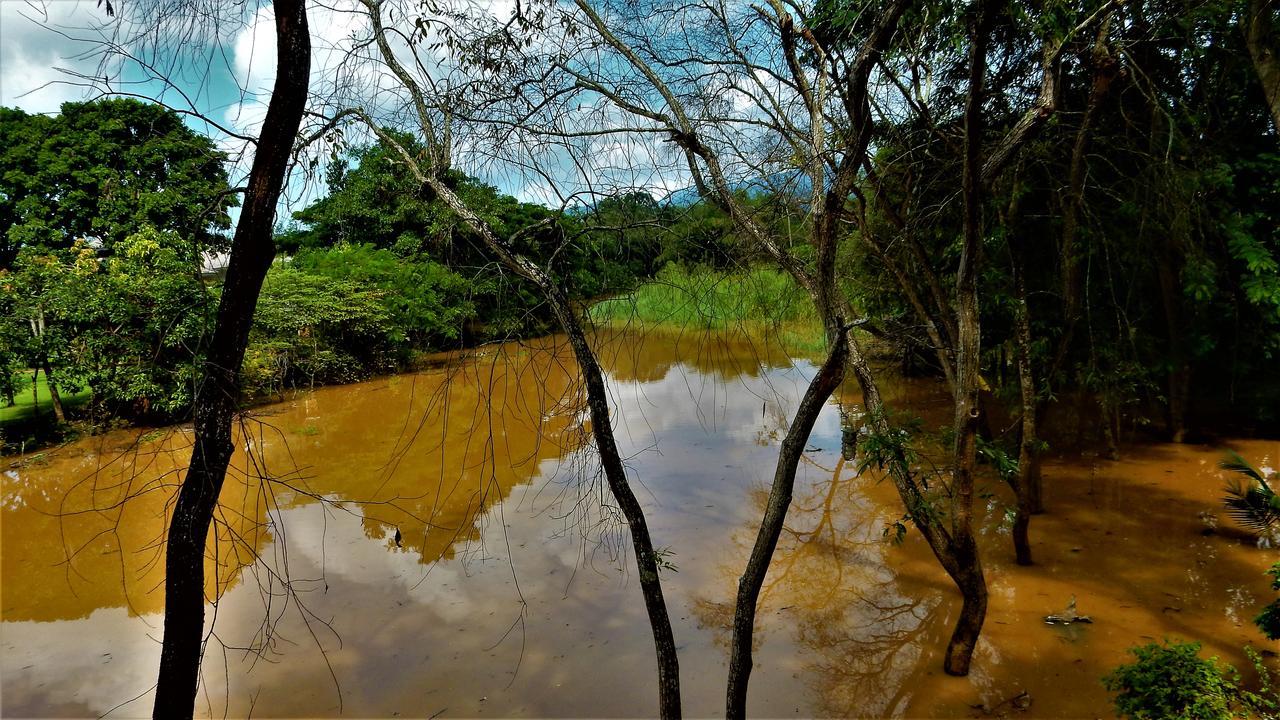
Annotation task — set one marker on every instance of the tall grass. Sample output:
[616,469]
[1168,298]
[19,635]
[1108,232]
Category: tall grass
[756,301]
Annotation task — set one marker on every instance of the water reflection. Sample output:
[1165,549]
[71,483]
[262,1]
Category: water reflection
[509,593]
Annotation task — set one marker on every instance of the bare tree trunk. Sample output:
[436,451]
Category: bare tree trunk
[1027,486]
[610,458]
[35,392]
[957,555]
[1179,376]
[252,251]
[1103,72]
[749,585]
[646,558]
[669,705]
[1259,32]
[54,398]
[968,366]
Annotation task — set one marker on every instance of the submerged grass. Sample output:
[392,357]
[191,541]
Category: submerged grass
[759,302]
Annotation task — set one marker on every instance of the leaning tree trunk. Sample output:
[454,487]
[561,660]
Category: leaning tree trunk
[616,476]
[252,251]
[784,478]
[601,429]
[54,398]
[429,174]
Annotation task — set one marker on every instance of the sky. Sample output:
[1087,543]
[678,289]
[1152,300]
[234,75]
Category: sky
[225,74]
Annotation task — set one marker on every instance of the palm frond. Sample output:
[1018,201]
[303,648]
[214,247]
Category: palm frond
[1253,505]
[1237,464]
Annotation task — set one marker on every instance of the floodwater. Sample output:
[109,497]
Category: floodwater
[439,544]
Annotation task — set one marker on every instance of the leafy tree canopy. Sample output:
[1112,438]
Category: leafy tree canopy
[102,170]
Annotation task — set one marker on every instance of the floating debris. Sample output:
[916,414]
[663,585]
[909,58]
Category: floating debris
[1067,616]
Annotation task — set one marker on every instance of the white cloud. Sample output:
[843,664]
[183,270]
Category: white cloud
[32,50]
[227,73]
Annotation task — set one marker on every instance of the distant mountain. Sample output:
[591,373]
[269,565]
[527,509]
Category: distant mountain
[795,182]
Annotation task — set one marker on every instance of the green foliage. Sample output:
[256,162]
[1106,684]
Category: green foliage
[312,329]
[1172,682]
[372,199]
[709,299]
[104,170]
[1175,241]
[378,212]
[426,302]
[1251,501]
[106,210]
[1004,463]
[1268,621]
[663,559]
[128,327]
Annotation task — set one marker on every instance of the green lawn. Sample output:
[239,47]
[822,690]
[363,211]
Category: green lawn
[24,409]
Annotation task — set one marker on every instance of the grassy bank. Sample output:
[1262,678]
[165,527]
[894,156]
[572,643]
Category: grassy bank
[24,407]
[24,426]
[760,301]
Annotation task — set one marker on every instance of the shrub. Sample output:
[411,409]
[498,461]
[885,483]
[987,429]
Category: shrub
[1172,682]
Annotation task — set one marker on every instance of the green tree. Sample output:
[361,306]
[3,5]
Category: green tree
[103,170]
[129,326]
[316,329]
[427,304]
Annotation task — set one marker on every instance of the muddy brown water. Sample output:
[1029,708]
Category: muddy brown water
[510,591]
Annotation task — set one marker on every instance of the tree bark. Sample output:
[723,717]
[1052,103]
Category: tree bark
[1104,69]
[968,365]
[1259,34]
[1179,375]
[749,585]
[973,609]
[709,177]
[54,398]
[252,251]
[1027,485]
[669,705]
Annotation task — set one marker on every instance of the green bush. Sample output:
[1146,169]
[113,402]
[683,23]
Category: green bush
[425,301]
[1268,621]
[313,329]
[1172,682]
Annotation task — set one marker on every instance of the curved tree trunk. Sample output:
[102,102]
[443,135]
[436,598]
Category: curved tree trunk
[429,174]
[784,478]
[252,251]
[828,209]
[973,609]
[615,474]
